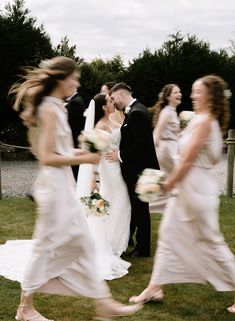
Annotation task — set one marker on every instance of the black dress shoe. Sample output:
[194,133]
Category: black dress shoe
[136,253]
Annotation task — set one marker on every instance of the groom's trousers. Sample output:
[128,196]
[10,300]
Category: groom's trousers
[140,222]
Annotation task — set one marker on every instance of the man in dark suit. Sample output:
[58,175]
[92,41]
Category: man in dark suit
[136,153]
[76,120]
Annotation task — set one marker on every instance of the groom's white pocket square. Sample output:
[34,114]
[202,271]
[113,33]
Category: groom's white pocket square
[125,125]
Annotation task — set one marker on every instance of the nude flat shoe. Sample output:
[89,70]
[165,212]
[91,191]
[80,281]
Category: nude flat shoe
[23,317]
[109,309]
[231,309]
[146,296]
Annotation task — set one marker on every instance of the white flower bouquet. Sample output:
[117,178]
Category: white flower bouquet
[185,117]
[149,184]
[95,205]
[95,140]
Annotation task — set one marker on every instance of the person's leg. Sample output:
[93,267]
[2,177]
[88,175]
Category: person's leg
[232,308]
[140,219]
[108,308]
[153,292]
[143,232]
[26,310]
[132,230]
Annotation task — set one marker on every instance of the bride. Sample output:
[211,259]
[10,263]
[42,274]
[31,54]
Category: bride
[111,232]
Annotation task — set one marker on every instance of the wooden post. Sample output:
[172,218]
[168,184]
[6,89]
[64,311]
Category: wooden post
[230,141]
[0,171]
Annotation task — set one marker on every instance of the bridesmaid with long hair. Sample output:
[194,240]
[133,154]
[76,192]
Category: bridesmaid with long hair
[165,135]
[166,126]
[191,248]
[63,258]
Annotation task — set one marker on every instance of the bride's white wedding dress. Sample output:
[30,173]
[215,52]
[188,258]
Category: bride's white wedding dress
[113,188]
[14,256]
[111,232]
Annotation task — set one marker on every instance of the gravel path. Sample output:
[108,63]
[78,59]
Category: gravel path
[18,176]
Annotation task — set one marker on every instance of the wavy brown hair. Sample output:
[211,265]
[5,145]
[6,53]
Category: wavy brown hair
[38,83]
[218,102]
[162,101]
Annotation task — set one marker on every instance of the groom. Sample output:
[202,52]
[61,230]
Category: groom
[136,153]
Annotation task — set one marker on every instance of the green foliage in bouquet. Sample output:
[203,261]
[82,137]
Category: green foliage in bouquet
[91,147]
[95,205]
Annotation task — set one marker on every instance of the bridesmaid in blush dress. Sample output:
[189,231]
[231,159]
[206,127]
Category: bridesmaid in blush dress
[165,135]
[63,258]
[167,126]
[191,247]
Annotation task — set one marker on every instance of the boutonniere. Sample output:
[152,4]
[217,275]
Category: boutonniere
[127,110]
[227,94]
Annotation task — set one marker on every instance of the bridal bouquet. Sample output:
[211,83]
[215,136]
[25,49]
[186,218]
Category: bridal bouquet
[185,116]
[149,184]
[95,140]
[95,205]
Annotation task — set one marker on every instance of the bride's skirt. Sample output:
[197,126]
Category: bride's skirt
[110,265]
[14,257]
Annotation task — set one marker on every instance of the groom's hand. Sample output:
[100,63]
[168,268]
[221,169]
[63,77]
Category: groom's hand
[112,156]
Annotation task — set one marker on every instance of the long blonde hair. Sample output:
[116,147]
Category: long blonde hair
[38,83]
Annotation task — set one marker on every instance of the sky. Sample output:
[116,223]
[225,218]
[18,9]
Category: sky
[105,28]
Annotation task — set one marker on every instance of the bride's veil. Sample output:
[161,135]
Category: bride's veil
[84,179]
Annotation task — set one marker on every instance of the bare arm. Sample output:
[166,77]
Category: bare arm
[201,132]
[47,154]
[160,126]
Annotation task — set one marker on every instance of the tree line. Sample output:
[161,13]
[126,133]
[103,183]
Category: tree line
[181,59]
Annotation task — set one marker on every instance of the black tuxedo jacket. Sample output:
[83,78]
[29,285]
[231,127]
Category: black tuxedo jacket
[137,150]
[76,120]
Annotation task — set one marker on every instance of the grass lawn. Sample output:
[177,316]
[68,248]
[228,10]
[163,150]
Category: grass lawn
[189,302]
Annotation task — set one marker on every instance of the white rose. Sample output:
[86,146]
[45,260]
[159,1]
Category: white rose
[186,115]
[148,172]
[147,197]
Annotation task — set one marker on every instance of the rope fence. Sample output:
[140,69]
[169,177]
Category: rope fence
[7,148]
[3,145]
